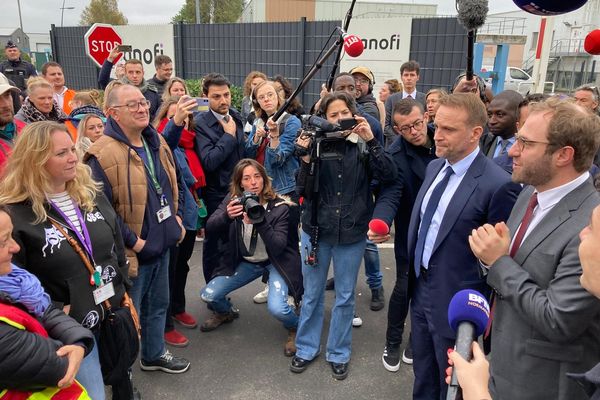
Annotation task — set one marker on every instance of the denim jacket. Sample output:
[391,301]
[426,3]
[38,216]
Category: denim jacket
[280,162]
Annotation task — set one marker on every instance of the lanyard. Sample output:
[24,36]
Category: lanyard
[85,238]
[150,168]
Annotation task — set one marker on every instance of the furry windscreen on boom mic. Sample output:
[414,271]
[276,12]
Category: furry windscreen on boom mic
[472,13]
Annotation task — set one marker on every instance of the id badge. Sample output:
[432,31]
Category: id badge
[163,213]
[104,292]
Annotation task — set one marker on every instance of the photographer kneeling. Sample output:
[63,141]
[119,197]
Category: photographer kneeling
[257,220]
[338,206]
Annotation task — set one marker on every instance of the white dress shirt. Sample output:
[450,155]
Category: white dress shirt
[413,94]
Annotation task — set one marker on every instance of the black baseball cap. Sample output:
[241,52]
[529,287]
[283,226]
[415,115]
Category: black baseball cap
[10,45]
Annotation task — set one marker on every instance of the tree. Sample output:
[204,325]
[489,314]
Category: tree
[105,11]
[211,11]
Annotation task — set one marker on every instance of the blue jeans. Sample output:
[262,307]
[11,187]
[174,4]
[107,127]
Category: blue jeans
[150,295]
[372,266]
[90,374]
[218,288]
[346,263]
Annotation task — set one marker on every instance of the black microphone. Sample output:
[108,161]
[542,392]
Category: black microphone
[320,123]
[471,15]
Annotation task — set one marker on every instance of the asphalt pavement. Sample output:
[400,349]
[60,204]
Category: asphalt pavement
[244,359]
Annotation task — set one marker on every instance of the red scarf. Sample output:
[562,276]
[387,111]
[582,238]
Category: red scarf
[187,141]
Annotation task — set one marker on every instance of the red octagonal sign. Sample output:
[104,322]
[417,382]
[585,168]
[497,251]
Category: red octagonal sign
[99,41]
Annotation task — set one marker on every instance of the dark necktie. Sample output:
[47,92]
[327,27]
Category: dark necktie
[503,147]
[513,250]
[408,96]
[432,205]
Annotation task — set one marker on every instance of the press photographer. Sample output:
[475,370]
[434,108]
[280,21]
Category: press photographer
[334,178]
[257,222]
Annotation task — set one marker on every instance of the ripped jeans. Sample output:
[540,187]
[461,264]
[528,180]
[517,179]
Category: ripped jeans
[219,287]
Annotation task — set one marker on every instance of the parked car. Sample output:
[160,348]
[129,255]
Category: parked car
[516,79]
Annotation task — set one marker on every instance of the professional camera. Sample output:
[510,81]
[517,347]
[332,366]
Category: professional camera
[325,137]
[252,206]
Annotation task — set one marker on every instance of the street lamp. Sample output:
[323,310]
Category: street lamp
[62,12]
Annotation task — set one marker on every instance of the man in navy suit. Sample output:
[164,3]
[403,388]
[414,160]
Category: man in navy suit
[220,143]
[460,190]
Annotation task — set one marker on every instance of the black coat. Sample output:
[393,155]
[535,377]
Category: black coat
[47,255]
[28,361]
[278,232]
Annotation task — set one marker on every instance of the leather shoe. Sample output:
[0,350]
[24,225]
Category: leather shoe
[299,364]
[339,370]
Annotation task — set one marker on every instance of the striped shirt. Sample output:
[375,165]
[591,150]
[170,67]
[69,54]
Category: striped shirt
[64,202]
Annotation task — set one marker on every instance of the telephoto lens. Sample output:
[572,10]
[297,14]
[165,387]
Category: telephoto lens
[252,207]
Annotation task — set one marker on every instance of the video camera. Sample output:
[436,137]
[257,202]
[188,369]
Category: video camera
[325,136]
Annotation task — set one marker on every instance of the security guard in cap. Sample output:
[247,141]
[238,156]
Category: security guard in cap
[14,68]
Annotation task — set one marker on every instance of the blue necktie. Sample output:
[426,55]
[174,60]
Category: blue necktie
[432,205]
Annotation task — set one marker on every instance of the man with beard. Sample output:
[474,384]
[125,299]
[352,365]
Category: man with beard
[53,73]
[364,81]
[543,323]
[502,125]
[9,126]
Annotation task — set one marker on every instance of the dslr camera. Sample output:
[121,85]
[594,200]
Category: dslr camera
[252,206]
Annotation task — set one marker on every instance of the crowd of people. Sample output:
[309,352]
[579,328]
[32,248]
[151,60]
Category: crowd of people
[484,192]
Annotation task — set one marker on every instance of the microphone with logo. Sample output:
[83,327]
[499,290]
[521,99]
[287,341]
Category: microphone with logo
[353,46]
[468,315]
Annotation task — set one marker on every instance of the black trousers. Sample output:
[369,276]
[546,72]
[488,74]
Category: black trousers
[178,273]
[398,307]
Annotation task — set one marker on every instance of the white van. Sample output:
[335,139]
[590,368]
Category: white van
[516,79]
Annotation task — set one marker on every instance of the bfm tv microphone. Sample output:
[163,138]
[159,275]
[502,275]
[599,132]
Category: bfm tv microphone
[549,7]
[471,15]
[379,227]
[468,315]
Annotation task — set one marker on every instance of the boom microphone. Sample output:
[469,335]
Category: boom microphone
[549,7]
[353,45]
[468,315]
[471,15]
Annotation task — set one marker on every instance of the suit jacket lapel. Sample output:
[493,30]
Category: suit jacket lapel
[460,199]
[555,218]
[518,211]
[415,217]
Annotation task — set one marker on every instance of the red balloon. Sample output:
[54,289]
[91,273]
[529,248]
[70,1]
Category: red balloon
[549,7]
[592,42]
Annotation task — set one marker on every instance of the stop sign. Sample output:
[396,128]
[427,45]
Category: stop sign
[99,41]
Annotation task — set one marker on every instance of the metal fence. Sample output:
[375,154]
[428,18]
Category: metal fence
[285,48]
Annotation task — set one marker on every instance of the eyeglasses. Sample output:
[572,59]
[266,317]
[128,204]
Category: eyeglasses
[362,81]
[522,143]
[263,97]
[135,105]
[406,129]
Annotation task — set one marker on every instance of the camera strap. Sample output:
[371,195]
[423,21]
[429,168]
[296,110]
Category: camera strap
[248,251]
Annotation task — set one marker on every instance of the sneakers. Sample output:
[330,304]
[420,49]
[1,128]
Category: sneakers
[174,338]
[356,321]
[407,356]
[330,284]
[377,299]
[262,297]
[185,320]
[290,344]
[166,363]
[216,320]
[391,358]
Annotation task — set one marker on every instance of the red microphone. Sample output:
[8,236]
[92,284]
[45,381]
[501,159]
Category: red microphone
[592,42]
[379,227]
[353,45]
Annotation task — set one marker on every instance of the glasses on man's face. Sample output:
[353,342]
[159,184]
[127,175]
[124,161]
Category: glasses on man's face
[406,129]
[360,81]
[263,97]
[135,105]
[523,143]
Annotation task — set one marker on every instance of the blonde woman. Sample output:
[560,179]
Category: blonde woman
[40,104]
[174,87]
[45,185]
[90,128]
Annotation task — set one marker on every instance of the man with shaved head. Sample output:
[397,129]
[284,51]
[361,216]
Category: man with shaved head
[502,126]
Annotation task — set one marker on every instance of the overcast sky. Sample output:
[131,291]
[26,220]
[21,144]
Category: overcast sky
[38,15]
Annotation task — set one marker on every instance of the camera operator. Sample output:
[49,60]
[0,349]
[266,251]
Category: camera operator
[344,206]
[256,219]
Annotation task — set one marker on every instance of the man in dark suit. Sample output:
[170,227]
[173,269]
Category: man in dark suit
[220,143]
[462,190]
[502,125]
[409,74]
[412,151]
[544,323]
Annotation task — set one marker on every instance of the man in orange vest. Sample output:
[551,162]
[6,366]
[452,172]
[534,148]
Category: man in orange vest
[53,73]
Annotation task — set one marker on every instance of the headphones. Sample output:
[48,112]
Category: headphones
[366,72]
[480,85]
